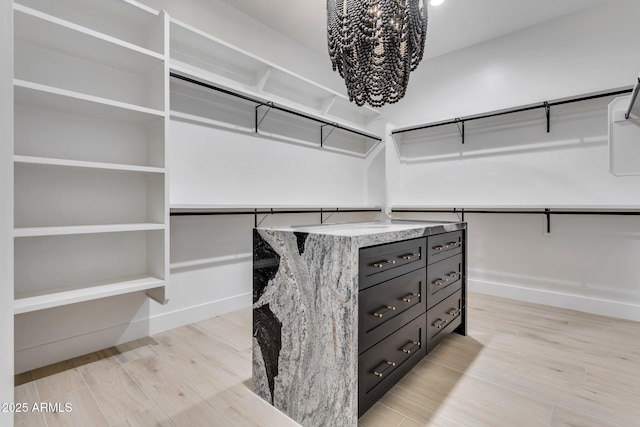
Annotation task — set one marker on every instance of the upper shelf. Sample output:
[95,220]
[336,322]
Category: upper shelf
[203,56]
[126,20]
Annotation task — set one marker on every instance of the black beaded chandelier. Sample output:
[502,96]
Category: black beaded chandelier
[375,44]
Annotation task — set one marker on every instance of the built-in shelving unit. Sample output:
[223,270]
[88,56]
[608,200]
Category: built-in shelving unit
[223,86]
[90,182]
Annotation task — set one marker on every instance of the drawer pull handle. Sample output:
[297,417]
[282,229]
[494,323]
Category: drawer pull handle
[382,368]
[382,311]
[413,344]
[439,282]
[453,244]
[454,274]
[408,297]
[438,248]
[381,263]
[453,312]
[409,256]
[439,323]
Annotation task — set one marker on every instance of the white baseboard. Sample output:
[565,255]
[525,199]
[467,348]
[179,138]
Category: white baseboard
[174,319]
[573,302]
[53,352]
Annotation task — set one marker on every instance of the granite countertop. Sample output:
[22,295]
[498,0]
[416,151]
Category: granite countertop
[375,232]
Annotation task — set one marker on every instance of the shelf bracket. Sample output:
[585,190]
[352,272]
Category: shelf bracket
[258,122]
[322,220]
[460,128]
[259,223]
[324,137]
[547,213]
[327,104]
[262,81]
[547,112]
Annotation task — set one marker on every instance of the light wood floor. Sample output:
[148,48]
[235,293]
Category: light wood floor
[521,365]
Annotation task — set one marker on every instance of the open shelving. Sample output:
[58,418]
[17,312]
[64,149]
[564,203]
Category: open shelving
[125,20]
[202,56]
[90,182]
[54,53]
[203,102]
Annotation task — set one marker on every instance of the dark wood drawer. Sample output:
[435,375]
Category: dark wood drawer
[443,278]
[380,367]
[387,306]
[384,262]
[443,319]
[443,246]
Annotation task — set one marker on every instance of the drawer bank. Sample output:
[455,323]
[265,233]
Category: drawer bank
[341,312]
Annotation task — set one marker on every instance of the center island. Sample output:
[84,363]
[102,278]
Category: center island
[342,311]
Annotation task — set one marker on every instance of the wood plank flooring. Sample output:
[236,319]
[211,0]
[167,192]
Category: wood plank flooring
[521,365]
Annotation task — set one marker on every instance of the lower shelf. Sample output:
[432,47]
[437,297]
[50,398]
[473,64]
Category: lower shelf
[39,300]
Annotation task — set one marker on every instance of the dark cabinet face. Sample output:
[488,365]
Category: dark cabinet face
[384,364]
[412,295]
[385,307]
[443,246]
[384,262]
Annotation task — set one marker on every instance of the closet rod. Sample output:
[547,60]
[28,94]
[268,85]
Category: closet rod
[547,212]
[269,212]
[544,105]
[273,106]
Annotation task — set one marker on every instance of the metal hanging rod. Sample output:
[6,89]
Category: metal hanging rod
[273,106]
[270,212]
[547,212]
[546,105]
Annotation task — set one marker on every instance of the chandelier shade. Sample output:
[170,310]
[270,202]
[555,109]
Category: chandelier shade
[374,45]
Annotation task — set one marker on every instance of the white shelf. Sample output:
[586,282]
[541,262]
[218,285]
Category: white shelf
[126,20]
[84,164]
[48,97]
[38,300]
[53,33]
[56,53]
[84,229]
[204,56]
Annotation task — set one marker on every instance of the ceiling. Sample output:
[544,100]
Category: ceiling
[454,25]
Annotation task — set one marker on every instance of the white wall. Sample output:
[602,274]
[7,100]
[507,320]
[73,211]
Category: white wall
[6,207]
[588,262]
[588,51]
[213,166]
